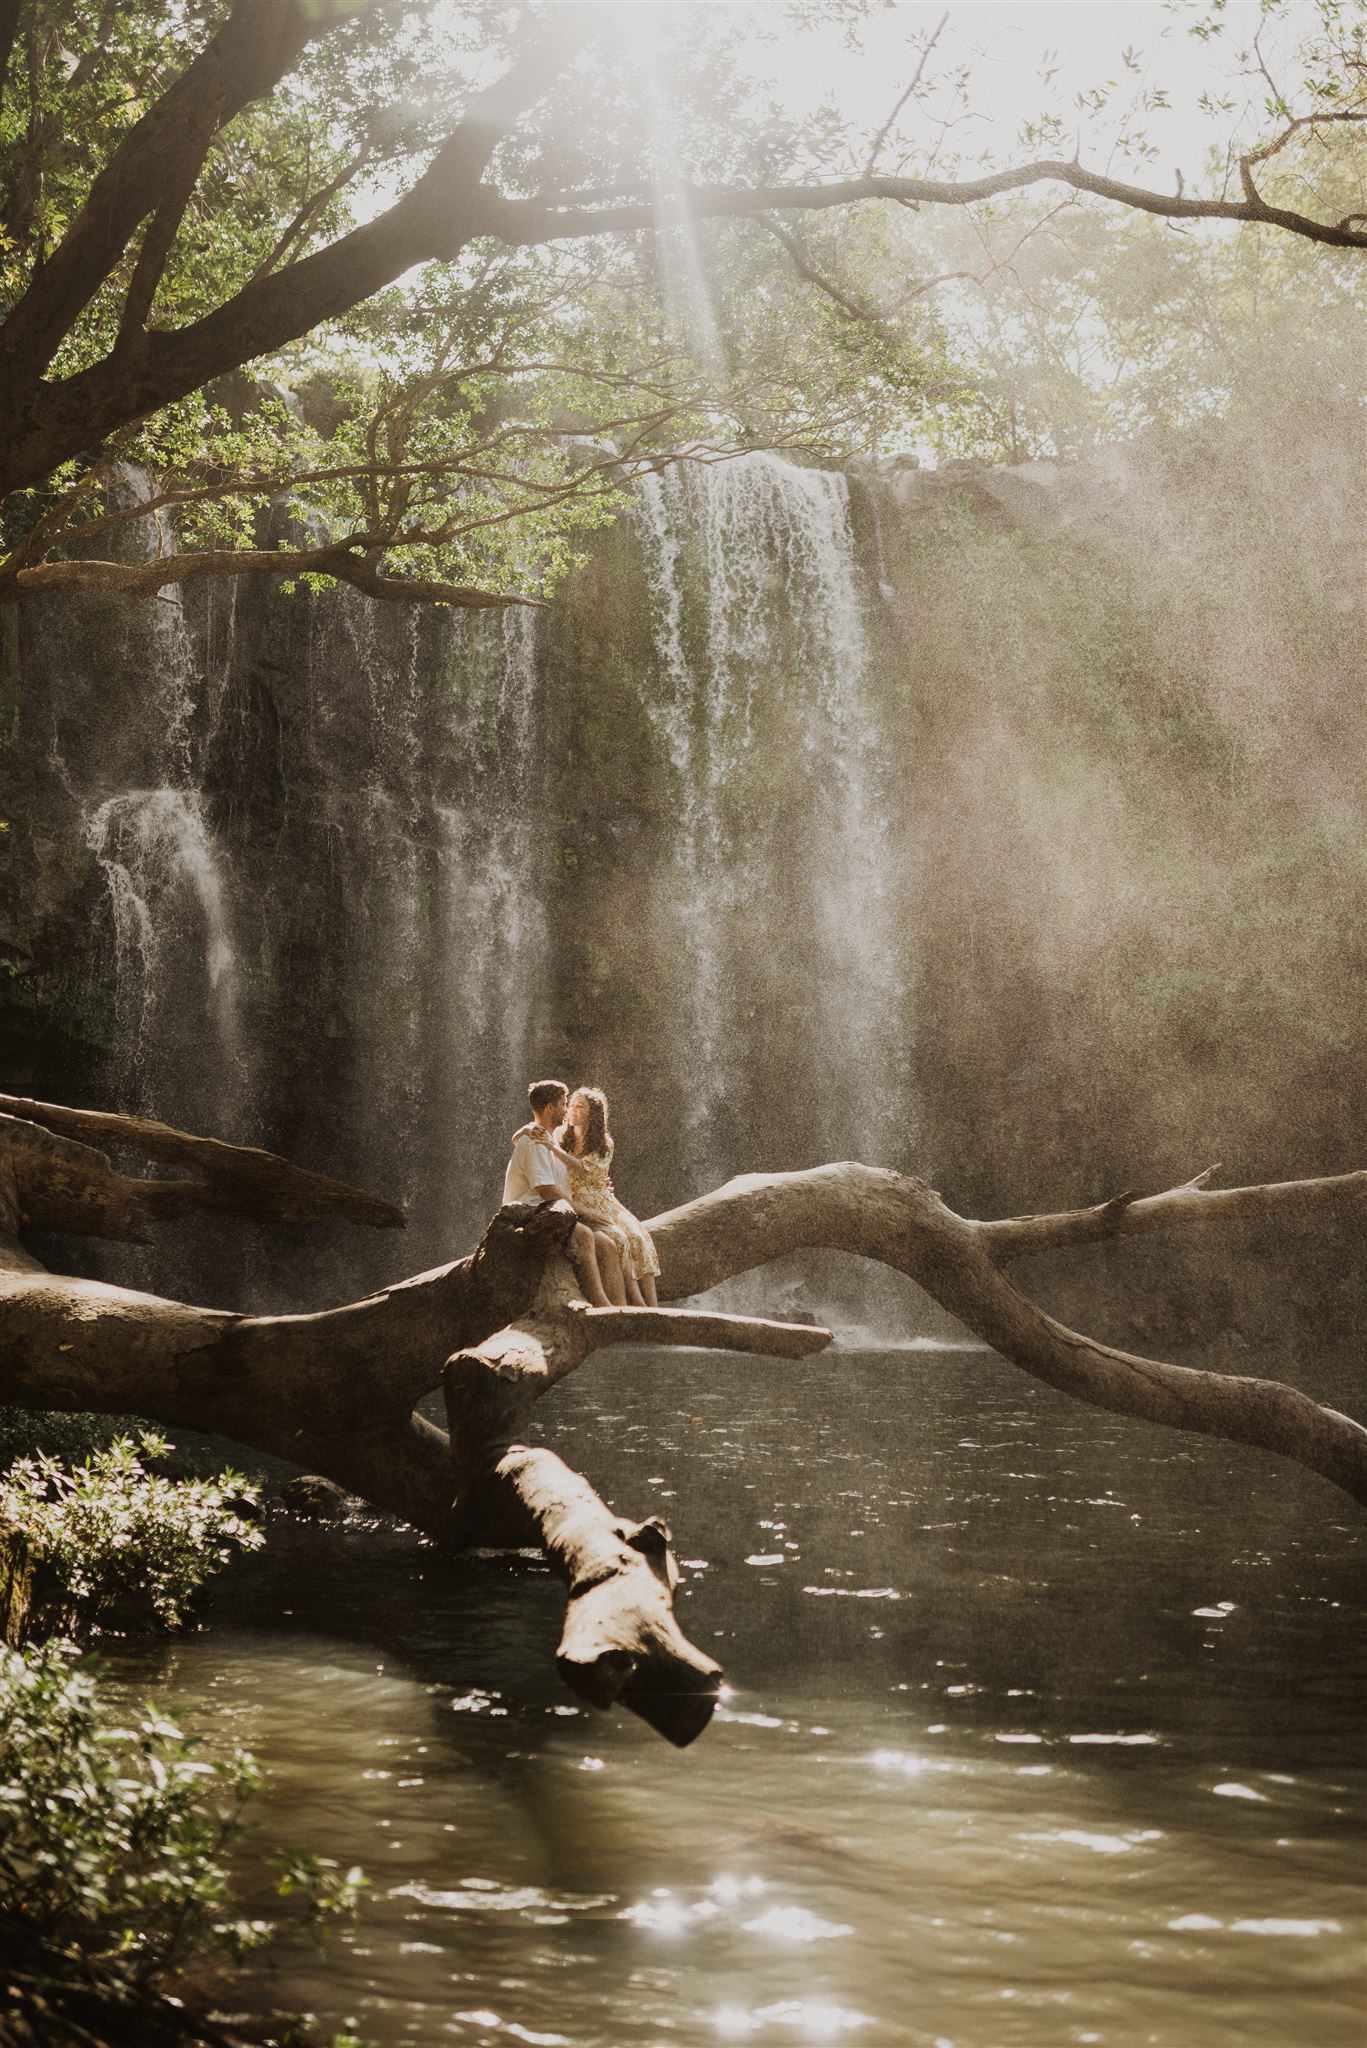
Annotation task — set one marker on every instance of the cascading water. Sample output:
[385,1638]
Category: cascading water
[180,1048]
[437,897]
[764,679]
[673,835]
[492,930]
[174,952]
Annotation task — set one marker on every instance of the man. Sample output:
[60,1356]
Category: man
[535,1173]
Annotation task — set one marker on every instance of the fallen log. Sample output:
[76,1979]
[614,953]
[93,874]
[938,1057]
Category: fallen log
[337,1390]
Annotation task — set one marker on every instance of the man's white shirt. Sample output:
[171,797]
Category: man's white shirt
[532,1166]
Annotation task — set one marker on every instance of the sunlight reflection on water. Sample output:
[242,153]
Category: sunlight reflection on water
[1040,1798]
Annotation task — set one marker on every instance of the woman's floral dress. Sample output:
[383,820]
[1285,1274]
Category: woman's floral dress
[590,1192]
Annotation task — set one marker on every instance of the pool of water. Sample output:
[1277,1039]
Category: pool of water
[1044,1728]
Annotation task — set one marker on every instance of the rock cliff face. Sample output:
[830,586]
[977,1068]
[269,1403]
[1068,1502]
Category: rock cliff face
[994,824]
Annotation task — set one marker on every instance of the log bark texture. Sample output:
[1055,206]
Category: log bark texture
[902,1222]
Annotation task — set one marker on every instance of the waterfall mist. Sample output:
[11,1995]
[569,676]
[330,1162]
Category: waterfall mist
[997,825]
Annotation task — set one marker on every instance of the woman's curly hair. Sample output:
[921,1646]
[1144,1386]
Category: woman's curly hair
[597,1137]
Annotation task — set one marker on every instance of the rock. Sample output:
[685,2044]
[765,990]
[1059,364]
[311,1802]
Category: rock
[309,1494]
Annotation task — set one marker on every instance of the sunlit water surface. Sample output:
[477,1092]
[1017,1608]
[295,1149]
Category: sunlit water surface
[1046,1729]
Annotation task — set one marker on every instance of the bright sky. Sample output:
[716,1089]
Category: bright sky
[1036,56]
[1030,57]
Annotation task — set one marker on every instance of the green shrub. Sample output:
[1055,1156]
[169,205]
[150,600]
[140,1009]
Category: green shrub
[27,1432]
[112,1837]
[121,1536]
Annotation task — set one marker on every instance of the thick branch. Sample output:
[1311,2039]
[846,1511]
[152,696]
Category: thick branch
[78,1190]
[491,1386]
[1130,1215]
[442,211]
[701,1329]
[251,52]
[903,1223]
[621,1641]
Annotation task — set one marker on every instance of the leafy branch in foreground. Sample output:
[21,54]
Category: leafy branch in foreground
[112,1837]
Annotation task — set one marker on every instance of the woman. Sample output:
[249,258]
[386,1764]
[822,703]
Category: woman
[585,1144]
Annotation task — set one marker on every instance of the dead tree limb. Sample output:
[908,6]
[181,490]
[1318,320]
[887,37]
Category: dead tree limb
[73,1187]
[904,1223]
[621,1640]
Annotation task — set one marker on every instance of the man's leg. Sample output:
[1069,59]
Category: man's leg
[610,1265]
[586,1265]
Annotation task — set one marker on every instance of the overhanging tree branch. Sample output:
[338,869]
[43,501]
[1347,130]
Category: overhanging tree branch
[442,211]
[548,219]
[348,561]
[248,56]
[447,207]
[905,1224]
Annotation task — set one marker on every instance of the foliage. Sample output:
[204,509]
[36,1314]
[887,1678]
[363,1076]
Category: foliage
[1081,328]
[112,1837]
[115,1832]
[114,1530]
[70,1438]
[467,425]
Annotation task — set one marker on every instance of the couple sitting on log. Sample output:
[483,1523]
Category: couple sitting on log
[564,1155]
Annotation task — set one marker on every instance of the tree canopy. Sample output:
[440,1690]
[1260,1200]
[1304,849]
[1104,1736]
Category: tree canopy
[485,264]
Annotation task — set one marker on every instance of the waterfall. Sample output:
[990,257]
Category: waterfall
[463,849]
[487,975]
[175,963]
[778,890]
[428,767]
[179,1049]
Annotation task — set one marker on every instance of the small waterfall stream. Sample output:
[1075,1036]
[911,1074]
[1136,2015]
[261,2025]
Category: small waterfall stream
[182,1052]
[491,934]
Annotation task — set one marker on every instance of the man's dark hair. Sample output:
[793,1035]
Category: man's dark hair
[542,1094]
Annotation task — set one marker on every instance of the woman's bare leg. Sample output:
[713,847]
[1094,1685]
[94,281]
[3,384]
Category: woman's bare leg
[586,1265]
[648,1289]
[610,1265]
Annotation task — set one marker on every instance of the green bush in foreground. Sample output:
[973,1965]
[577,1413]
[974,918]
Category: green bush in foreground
[119,1535]
[114,1830]
[111,1836]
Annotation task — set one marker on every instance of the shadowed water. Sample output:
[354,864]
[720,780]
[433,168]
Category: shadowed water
[1046,1728]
